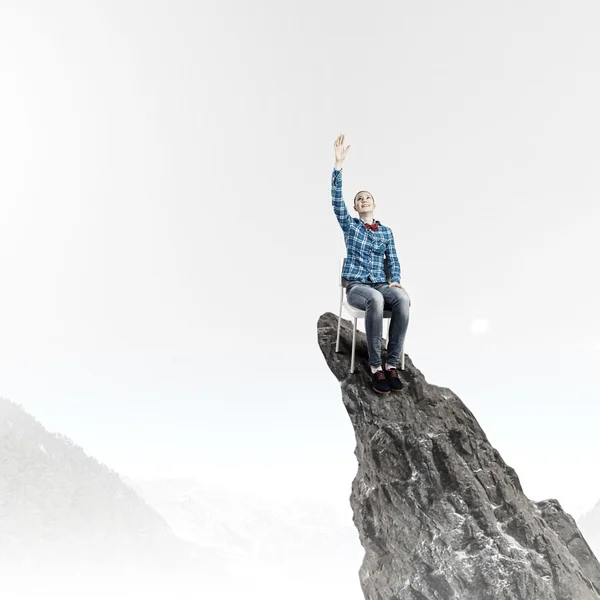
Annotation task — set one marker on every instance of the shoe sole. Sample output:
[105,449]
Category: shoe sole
[380,392]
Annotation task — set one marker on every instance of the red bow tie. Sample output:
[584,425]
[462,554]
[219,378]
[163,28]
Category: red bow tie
[373,226]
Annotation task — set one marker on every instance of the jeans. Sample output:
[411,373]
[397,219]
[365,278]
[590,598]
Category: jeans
[373,298]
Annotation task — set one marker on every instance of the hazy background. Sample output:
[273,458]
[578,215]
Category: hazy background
[168,243]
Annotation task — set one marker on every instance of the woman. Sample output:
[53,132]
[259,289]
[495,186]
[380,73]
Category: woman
[367,243]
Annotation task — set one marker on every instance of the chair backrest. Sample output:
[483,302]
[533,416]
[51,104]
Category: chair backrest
[343,282]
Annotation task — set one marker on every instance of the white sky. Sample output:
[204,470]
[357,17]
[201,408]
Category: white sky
[168,242]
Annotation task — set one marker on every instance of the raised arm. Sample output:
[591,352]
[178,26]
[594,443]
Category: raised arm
[339,206]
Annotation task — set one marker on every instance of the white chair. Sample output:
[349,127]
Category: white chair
[357,313]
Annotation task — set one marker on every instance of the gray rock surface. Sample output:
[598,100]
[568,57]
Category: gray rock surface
[439,513]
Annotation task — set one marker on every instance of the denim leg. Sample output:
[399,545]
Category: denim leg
[371,301]
[397,300]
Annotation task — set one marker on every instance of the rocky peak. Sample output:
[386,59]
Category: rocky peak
[439,513]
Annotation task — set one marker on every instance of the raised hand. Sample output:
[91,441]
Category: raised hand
[340,151]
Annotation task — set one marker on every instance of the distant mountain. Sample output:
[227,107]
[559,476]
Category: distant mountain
[286,548]
[589,524]
[248,524]
[60,506]
[70,527]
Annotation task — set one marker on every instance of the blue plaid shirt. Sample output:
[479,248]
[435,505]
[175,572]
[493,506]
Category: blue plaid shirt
[365,248]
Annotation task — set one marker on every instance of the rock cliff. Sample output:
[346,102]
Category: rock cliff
[439,513]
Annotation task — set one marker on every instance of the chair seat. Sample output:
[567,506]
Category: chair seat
[358,313]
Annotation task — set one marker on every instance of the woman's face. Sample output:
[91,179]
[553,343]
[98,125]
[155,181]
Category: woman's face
[363,202]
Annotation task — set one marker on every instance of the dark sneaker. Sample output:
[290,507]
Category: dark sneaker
[380,383]
[394,379]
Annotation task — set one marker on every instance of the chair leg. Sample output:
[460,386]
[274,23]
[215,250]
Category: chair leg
[337,342]
[386,339]
[353,346]
[402,360]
